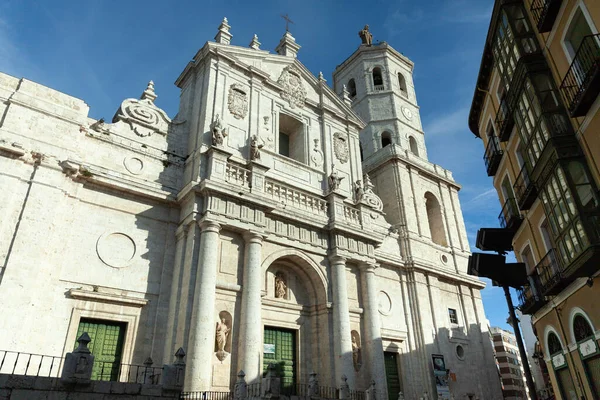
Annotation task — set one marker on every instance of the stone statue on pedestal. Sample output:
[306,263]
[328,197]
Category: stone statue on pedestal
[218,131]
[366,36]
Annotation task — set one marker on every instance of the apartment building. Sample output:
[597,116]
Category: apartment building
[535,108]
[510,364]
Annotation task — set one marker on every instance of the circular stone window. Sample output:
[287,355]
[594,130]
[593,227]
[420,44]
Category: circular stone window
[444,259]
[115,249]
[385,303]
[460,352]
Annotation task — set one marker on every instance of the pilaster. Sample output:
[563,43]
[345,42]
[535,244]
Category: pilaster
[198,372]
[217,163]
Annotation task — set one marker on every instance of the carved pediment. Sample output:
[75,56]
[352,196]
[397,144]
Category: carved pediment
[143,116]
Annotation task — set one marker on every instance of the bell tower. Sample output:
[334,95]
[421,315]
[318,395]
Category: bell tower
[379,87]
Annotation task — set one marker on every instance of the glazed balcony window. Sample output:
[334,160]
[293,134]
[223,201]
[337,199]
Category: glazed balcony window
[539,115]
[514,39]
[493,151]
[569,198]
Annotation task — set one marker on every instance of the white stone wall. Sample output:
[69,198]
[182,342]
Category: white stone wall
[148,223]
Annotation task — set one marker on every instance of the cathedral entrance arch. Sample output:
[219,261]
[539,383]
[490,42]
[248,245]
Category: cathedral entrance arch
[294,317]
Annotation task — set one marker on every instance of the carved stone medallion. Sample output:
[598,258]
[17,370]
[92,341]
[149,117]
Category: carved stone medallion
[237,101]
[142,115]
[293,90]
[340,147]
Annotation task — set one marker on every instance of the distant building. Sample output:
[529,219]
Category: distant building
[536,108]
[510,363]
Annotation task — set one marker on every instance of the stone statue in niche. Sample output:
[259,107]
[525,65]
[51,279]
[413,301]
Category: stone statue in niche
[255,147]
[222,342]
[365,36]
[317,155]
[358,191]
[334,179]
[356,354]
[219,133]
[280,286]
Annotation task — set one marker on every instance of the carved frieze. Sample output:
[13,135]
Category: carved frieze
[237,101]
[293,90]
[340,147]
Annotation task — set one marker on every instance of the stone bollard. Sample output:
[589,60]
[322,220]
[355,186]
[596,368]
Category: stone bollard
[271,384]
[78,364]
[313,385]
[344,389]
[174,374]
[371,392]
[240,390]
[400,396]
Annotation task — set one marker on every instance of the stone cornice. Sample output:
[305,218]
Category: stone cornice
[124,300]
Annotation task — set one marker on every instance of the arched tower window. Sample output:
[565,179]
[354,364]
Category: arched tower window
[434,217]
[402,83]
[377,78]
[352,88]
[413,145]
[386,139]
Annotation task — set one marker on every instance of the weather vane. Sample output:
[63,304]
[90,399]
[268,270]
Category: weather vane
[287,22]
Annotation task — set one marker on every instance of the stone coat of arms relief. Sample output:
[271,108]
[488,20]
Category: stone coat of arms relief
[237,101]
[340,147]
[293,90]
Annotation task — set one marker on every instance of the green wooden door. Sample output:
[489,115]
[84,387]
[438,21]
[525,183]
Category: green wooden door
[106,345]
[392,375]
[280,350]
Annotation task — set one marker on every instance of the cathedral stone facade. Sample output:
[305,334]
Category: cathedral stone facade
[272,220]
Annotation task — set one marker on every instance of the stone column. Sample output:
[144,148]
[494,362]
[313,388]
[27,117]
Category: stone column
[250,339]
[372,344]
[342,340]
[202,328]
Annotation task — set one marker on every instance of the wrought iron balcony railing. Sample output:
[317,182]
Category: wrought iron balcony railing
[510,217]
[493,155]
[550,272]
[581,84]
[544,13]
[530,298]
[504,120]
[525,189]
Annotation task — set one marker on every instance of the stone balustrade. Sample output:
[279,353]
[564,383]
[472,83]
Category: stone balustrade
[237,175]
[296,198]
[352,215]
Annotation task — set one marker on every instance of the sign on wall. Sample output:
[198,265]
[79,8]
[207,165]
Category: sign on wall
[441,376]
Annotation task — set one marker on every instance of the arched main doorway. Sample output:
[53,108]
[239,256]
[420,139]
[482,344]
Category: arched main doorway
[295,318]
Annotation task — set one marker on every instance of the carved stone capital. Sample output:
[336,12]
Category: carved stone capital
[209,226]
[253,237]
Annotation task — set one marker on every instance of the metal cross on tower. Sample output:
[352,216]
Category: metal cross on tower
[287,22]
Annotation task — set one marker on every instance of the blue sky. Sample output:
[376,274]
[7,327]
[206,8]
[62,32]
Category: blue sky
[104,51]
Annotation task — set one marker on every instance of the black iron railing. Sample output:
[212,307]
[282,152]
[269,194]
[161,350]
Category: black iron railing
[131,373]
[544,13]
[525,189]
[581,84]
[493,155]
[550,272]
[208,395]
[19,363]
[510,216]
[504,120]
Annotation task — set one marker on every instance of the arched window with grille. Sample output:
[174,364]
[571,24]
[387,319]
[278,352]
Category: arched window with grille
[402,84]
[588,351]
[351,88]
[561,367]
[412,143]
[377,79]
[386,139]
